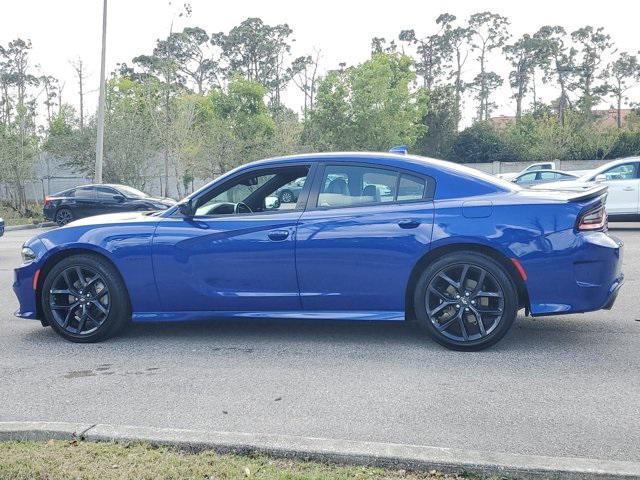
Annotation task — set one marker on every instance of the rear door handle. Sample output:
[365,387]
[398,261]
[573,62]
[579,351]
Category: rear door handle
[406,224]
[628,189]
[278,235]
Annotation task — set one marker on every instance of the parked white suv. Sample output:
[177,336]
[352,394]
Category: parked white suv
[623,179]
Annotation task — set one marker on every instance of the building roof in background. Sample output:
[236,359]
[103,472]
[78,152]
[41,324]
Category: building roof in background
[606,118]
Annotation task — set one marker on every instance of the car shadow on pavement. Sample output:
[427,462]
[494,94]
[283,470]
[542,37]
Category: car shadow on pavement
[525,336]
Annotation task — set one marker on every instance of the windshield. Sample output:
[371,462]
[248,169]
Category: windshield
[131,192]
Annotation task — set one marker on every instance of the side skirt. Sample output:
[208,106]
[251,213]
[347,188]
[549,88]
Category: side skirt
[142,317]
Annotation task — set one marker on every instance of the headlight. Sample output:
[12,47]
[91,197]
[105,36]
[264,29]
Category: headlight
[28,255]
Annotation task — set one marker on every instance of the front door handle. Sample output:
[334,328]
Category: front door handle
[278,235]
[628,189]
[406,224]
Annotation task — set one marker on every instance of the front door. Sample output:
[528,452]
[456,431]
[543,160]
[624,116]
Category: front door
[624,188]
[237,253]
[364,230]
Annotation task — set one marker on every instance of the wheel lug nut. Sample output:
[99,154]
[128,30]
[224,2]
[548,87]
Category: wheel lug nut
[466,293]
[457,296]
[466,309]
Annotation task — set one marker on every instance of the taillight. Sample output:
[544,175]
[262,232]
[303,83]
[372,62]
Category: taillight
[46,201]
[594,219]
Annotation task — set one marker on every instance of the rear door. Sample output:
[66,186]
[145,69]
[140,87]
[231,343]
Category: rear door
[364,229]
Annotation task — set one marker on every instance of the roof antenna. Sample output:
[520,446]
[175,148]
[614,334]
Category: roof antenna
[402,149]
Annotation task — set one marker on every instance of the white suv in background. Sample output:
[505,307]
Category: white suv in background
[623,179]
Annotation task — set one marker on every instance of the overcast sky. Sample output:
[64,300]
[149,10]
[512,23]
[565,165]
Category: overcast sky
[63,30]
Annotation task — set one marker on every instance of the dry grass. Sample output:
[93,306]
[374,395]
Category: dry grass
[85,460]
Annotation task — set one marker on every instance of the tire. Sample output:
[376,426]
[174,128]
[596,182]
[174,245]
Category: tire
[466,317]
[101,299]
[287,196]
[63,216]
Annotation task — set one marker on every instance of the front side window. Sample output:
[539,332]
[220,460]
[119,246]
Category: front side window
[255,193]
[626,171]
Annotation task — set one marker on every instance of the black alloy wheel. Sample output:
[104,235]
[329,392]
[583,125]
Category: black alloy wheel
[84,299]
[466,301]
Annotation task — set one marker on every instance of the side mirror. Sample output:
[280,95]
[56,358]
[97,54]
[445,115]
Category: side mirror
[601,178]
[118,198]
[186,208]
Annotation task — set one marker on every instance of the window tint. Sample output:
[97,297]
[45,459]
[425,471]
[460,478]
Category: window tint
[547,175]
[344,185]
[106,193]
[529,177]
[86,193]
[410,188]
[260,192]
[626,171]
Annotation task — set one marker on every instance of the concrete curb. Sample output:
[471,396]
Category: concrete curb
[413,457]
[30,226]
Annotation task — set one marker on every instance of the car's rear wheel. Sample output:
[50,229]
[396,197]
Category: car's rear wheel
[84,299]
[64,216]
[465,301]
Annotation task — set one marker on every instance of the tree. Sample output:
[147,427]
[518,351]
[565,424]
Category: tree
[431,51]
[19,139]
[620,76]
[524,56]
[195,58]
[258,52]
[304,73]
[557,62]
[367,107]
[78,67]
[482,142]
[488,31]
[457,40]
[441,122]
[593,43]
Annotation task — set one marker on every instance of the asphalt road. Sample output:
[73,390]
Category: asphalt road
[560,386]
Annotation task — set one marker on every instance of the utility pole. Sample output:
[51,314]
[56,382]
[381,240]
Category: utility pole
[100,134]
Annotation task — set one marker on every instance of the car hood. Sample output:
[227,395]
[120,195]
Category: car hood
[114,218]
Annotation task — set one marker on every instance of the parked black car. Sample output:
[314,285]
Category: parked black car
[90,200]
[1,227]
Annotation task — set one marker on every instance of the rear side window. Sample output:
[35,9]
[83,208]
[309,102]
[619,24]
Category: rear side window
[84,193]
[347,185]
[410,188]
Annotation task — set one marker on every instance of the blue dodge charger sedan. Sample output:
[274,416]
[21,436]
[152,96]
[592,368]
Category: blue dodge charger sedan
[372,236]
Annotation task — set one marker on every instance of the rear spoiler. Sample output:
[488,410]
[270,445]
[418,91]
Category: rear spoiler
[588,194]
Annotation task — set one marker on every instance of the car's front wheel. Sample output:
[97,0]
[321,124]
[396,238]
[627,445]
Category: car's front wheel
[465,301]
[84,299]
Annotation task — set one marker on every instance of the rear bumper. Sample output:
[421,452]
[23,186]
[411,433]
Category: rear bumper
[49,213]
[584,276]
